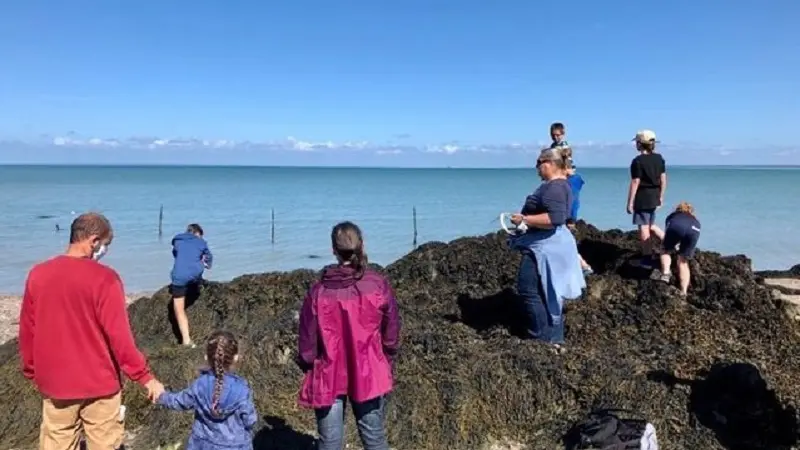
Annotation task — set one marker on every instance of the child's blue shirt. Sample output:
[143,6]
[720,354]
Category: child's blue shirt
[192,256]
[576,184]
[232,429]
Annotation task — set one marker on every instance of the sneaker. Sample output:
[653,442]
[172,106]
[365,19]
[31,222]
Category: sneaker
[587,271]
[665,277]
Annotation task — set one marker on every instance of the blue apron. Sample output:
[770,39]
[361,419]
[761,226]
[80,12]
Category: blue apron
[559,266]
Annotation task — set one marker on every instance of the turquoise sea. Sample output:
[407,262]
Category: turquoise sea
[746,210]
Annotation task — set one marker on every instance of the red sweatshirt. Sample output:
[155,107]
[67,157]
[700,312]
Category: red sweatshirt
[74,334]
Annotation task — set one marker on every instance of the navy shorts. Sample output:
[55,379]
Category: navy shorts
[644,217]
[178,290]
[685,242]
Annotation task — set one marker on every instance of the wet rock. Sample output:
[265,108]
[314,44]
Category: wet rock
[464,378]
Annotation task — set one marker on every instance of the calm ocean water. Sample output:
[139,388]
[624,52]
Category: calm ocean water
[743,210]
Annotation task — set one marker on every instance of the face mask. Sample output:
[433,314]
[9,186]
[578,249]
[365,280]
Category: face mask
[100,252]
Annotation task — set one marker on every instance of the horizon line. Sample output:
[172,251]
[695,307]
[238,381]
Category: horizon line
[268,166]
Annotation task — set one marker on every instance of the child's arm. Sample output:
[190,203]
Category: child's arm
[208,258]
[663,181]
[247,411]
[636,175]
[179,401]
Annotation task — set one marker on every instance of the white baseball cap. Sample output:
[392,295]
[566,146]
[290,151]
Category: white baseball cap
[643,136]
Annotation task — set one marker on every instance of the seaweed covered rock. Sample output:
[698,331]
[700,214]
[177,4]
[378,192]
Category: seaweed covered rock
[717,370]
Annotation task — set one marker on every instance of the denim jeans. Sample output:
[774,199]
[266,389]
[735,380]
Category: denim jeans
[540,325]
[369,420]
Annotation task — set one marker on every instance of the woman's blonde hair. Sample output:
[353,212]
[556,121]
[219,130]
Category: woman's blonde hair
[556,156]
[685,207]
[566,154]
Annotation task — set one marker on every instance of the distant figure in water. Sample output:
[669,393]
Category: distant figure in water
[681,236]
[58,228]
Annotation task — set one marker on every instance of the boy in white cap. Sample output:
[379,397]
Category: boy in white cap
[646,192]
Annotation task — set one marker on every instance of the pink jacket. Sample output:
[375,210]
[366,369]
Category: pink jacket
[349,332]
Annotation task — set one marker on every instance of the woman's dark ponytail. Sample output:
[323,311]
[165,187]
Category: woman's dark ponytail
[348,244]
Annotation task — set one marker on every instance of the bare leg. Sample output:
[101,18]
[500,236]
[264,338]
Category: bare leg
[657,231]
[666,263]
[684,274]
[644,233]
[179,304]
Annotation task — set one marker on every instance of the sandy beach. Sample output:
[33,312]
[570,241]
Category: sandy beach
[9,313]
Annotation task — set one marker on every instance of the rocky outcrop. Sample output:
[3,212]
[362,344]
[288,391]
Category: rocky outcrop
[717,370]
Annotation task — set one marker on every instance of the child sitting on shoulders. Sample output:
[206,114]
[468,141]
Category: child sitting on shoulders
[224,413]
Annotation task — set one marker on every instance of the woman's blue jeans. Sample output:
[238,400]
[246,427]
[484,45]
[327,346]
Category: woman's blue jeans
[369,421]
[539,324]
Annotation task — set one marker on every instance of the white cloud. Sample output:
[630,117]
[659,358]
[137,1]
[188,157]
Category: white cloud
[446,148]
[588,152]
[390,151]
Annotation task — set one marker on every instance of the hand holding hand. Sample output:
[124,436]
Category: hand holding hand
[517,219]
[154,390]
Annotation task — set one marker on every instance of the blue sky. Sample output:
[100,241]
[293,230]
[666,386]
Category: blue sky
[412,82]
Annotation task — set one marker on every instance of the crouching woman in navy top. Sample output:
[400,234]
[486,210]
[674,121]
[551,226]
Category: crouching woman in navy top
[550,271]
[681,236]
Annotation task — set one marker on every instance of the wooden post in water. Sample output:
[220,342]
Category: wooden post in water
[272,226]
[160,221]
[414,214]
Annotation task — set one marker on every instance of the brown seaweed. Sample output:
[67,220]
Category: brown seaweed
[719,369]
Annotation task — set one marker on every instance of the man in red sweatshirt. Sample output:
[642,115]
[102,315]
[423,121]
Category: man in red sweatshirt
[75,338]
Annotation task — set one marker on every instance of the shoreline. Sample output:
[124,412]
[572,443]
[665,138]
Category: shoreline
[10,305]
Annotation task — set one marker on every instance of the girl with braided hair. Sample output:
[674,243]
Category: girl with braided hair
[224,414]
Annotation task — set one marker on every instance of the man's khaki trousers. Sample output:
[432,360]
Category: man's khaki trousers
[99,420]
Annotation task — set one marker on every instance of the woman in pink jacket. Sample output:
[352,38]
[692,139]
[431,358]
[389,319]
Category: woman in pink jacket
[348,337]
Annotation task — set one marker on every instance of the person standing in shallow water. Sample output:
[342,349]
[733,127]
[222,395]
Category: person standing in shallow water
[347,341]
[192,257]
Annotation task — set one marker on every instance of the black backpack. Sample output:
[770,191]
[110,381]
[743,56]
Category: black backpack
[603,429]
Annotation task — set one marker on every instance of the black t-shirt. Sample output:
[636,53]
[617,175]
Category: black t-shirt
[648,168]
